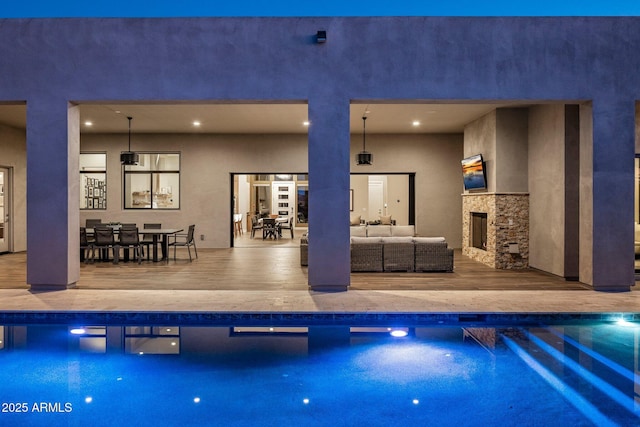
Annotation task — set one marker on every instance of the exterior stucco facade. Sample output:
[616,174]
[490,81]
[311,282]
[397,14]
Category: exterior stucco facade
[54,64]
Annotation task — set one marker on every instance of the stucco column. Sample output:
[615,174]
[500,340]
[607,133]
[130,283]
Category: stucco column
[606,194]
[329,258]
[53,141]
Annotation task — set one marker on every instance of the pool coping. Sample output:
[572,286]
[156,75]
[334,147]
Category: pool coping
[218,318]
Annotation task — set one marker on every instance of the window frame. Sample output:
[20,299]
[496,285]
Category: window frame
[151,173]
[87,188]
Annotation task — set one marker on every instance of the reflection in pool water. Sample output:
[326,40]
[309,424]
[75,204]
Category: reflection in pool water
[316,376]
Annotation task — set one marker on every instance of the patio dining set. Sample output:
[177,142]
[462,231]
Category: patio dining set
[103,238]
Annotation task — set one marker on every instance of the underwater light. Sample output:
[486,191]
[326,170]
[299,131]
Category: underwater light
[196,400]
[78,331]
[622,322]
[398,333]
[305,401]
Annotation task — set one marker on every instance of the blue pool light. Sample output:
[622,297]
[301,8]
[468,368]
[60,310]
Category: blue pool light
[399,333]
[196,400]
[305,401]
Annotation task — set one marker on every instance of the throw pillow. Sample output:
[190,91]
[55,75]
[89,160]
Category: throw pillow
[429,239]
[355,220]
[385,220]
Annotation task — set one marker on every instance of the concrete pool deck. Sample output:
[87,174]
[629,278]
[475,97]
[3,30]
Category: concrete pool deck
[353,302]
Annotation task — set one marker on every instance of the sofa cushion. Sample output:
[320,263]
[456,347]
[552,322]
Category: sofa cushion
[428,239]
[379,231]
[385,219]
[354,220]
[406,239]
[360,240]
[358,231]
[402,230]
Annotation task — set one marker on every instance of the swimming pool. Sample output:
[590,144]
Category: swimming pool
[570,375]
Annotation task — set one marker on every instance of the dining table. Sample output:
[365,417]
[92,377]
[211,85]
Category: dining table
[158,235]
[163,234]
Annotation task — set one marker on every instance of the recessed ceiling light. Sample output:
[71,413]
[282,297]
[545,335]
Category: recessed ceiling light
[415,123]
[88,123]
[306,123]
[196,123]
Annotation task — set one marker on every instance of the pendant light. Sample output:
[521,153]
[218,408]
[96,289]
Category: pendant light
[129,157]
[364,158]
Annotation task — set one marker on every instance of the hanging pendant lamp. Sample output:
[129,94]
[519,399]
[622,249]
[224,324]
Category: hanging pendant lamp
[129,157]
[364,158]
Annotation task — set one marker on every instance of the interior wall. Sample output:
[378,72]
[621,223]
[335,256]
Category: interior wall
[360,186]
[398,198]
[546,183]
[13,154]
[480,138]
[511,150]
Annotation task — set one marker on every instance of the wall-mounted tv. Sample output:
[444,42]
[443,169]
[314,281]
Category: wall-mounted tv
[473,173]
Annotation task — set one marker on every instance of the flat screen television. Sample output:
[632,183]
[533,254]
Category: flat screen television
[473,173]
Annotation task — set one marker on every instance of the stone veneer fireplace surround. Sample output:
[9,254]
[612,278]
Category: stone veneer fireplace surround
[507,224]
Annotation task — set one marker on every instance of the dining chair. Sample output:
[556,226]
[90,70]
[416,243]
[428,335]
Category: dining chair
[129,239]
[92,223]
[255,225]
[187,241]
[269,228]
[105,240]
[147,239]
[86,246]
[287,226]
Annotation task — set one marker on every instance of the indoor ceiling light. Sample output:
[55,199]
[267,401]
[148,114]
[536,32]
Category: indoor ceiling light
[416,123]
[88,123]
[364,158]
[306,123]
[129,157]
[196,123]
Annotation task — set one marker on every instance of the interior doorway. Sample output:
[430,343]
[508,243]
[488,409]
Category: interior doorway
[5,210]
[392,194]
[269,195]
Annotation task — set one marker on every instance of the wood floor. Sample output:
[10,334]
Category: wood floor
[276,266]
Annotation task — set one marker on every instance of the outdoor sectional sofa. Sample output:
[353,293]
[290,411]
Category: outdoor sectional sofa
[392,248]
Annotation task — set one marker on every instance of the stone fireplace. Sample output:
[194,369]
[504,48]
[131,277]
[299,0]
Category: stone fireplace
[495,229]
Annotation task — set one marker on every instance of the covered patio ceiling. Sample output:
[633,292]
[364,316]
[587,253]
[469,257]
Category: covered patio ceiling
[267,118]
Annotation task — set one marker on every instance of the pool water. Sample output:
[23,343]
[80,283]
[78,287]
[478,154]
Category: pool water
[579,375]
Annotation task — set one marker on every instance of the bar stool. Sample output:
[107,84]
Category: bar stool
[237,224]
